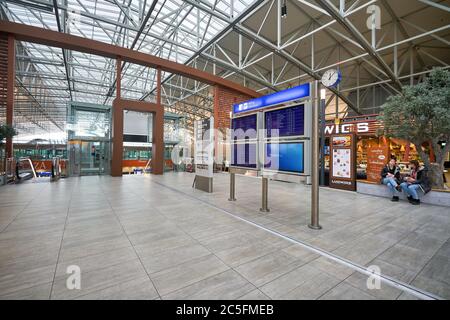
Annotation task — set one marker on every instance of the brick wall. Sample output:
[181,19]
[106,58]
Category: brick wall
[223,105]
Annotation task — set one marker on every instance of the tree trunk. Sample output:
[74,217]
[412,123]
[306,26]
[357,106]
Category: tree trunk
[423,155]
[435,175]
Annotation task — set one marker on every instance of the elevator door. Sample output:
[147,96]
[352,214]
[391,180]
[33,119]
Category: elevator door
[89,158]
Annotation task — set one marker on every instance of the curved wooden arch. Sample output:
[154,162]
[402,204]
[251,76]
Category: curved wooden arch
[51,38]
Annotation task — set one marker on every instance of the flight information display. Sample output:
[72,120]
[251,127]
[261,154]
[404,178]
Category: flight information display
[285,157]
[243,155]
[244,127]
[288,121]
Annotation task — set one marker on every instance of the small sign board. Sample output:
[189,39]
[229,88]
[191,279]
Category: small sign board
[377,157]
[343,162]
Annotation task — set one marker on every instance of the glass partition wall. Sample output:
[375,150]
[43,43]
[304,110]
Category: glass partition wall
[89,137]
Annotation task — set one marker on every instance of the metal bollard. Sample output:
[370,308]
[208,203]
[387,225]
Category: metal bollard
[265,195]
[232,187]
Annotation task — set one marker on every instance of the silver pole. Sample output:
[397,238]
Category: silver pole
[265,195]
[232,187]
[322,142]
[315,159]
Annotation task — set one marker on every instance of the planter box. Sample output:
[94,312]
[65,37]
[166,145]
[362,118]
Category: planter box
[438,198]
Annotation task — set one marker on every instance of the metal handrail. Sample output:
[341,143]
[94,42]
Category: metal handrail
[31,165]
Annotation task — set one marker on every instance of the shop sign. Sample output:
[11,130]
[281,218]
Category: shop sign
[360,128]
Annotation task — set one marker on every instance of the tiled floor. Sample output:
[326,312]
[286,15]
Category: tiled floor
[154,237]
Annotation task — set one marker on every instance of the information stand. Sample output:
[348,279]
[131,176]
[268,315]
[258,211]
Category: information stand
[273,139]
[204,154]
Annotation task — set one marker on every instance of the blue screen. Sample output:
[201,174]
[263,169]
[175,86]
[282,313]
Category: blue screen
[287,157]
[243,155]
[247,125]
[289,121]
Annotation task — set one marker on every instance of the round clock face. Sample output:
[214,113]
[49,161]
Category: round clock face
[331,78]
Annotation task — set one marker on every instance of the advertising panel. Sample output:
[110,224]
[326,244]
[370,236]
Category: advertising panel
[377,157]
[343,162]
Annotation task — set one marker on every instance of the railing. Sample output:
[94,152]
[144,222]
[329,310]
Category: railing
[26,163]
[10,170]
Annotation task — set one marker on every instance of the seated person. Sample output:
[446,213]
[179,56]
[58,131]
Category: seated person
[415,181]
[390,176]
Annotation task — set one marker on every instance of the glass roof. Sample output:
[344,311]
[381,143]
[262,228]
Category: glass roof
[174,30]
[244,41]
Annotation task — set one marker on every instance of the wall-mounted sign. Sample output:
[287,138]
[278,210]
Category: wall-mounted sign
[273,99]
[361,127]
[343,162]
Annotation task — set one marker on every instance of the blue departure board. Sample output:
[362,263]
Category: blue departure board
[285,157]
[244,127]
[289,121]
[243,155]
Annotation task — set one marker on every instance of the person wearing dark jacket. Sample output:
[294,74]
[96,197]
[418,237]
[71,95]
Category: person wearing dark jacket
[417,180]
[390,176]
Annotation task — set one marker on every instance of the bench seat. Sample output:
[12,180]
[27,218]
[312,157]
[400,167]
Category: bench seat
[435,197]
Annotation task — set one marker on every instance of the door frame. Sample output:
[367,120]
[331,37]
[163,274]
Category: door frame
[119,106]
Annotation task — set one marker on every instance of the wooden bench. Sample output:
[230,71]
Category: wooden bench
[435,197]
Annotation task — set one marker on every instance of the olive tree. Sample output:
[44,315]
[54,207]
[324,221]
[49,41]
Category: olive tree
[421,114]
[6,132]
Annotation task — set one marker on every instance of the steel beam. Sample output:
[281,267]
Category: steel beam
[253,7]
[270,46]
[351,29]
[60,29]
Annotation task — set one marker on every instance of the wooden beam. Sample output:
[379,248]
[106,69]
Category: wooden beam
[51,38]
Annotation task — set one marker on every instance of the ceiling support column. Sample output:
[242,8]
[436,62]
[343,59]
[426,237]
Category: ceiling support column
[158,130]
[10,91]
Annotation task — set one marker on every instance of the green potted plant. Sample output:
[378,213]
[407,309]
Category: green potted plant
[6,131]
[421,115]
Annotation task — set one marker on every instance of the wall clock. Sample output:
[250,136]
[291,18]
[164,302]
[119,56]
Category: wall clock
[331,78]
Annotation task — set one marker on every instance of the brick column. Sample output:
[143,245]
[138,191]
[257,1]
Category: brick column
[158,131]
[223,105]
[7,82]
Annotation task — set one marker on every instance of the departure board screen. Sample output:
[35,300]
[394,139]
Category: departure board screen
[285,157]
[243,155]
[288,121]
[244,127]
